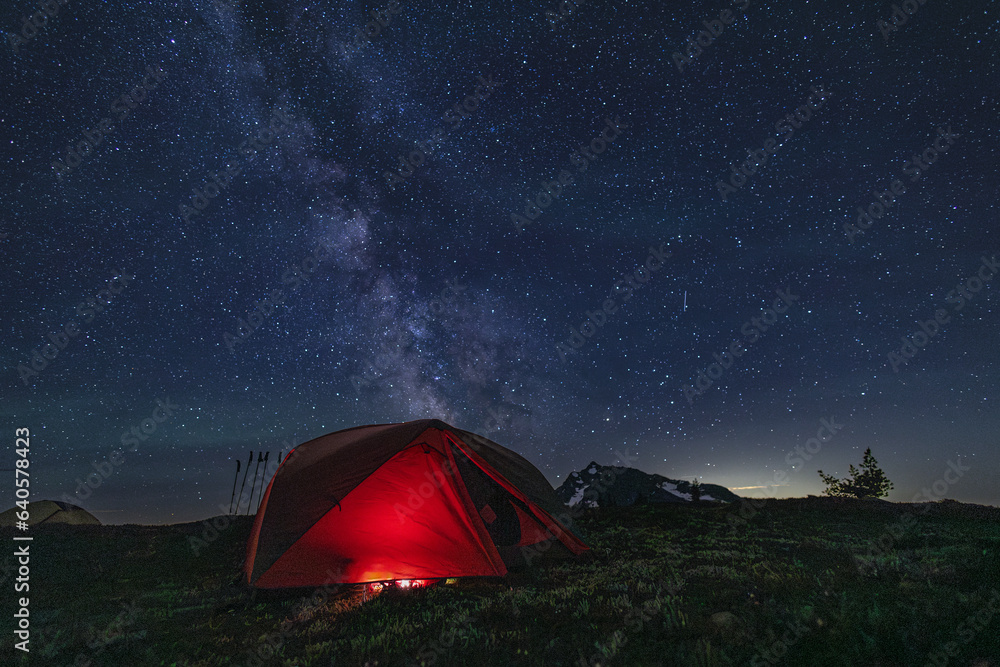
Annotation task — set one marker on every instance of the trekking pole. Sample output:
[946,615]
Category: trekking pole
[262,481]
[249,461]
[260,457]
[233,496]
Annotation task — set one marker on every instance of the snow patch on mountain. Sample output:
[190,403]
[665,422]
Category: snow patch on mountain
[686,495]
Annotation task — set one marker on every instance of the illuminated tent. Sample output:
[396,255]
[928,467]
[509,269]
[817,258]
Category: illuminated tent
[394,502]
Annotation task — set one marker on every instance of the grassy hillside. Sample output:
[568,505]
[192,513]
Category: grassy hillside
[793,582]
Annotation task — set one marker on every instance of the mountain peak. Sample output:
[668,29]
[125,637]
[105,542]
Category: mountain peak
[597,485]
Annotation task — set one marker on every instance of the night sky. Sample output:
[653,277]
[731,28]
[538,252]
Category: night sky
[263,226]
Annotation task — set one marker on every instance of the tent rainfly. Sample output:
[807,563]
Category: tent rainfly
[402,502]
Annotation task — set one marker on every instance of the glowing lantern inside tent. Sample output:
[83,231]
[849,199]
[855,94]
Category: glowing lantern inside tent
[379,586]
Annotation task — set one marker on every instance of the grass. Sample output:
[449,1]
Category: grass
[797,583]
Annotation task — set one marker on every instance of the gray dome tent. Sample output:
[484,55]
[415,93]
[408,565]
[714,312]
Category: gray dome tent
[49,512]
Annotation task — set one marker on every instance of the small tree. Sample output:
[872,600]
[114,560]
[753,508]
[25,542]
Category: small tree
[695,491]
[868,482]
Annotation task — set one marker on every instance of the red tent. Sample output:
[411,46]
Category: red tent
[417,500]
